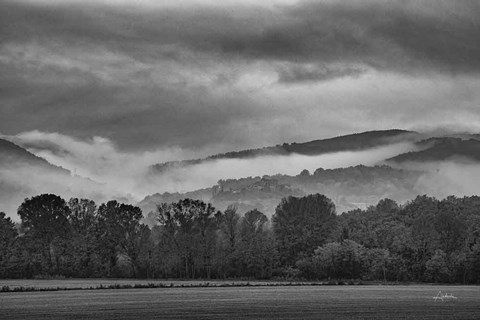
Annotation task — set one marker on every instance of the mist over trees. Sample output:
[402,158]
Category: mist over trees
[425,239]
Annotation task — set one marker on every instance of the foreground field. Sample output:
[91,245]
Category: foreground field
[305,302]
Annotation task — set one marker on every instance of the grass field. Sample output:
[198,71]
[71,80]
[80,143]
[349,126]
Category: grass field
[279,302]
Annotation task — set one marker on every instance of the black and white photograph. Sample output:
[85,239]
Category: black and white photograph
[239,159]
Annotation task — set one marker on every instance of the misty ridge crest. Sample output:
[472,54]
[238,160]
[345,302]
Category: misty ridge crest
[352,142]
[12,154]
[355,171]
[443,148]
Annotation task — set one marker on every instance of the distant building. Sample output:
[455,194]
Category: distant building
[265,183]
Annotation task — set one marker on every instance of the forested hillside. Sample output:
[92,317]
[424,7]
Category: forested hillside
[440,149]
[351,142]
[349,188]
[12,155]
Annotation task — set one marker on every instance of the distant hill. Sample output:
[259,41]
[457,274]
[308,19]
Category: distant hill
[14,155]
[350,188]
[441,149]
[351,142]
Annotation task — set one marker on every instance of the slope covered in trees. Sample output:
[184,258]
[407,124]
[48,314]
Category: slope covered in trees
[351,142]
[349,188]
[440,149]
[14,155]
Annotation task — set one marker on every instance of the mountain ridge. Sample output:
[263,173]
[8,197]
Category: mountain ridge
[442,149]
[350,142]
[13,154]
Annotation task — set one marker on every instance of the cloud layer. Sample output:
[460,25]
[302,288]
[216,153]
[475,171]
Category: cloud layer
[196,75]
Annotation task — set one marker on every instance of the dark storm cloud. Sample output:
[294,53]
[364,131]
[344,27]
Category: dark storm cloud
[133,116]
[405,36]
[393,35]
[151,75]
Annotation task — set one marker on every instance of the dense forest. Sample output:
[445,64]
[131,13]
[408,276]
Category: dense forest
[424,239]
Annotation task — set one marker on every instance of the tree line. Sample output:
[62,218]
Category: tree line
[423,240]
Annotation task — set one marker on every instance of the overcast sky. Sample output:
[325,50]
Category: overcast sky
[226,75]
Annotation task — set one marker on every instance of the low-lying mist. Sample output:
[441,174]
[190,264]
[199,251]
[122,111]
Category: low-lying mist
[458,178]
[208,173]
[100,171]
[18,181]
[130,173]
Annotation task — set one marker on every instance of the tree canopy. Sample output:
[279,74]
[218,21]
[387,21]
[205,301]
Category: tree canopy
[301,225]
[425,239]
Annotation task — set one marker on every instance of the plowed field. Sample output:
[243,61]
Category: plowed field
[303,302]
